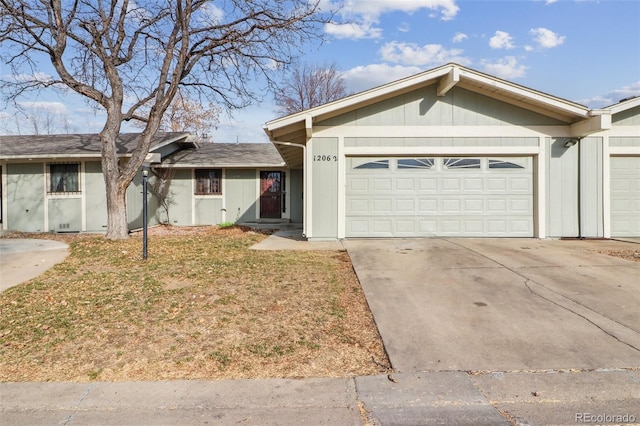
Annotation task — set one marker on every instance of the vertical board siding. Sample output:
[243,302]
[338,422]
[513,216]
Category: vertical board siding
[208,211]
[96,197]
[296,195]
[591,188]
[324,169]
[422,107]
[65,214]
[241,195]
[562,189]
[630,117]
[181,201]
[25,197]
[624,141]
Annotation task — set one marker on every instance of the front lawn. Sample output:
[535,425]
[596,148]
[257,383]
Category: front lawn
[203,306]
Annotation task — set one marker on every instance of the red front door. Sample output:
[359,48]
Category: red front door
[271,195]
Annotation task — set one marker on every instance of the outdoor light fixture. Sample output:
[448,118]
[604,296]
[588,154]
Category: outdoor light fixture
[145,176]
[570,143]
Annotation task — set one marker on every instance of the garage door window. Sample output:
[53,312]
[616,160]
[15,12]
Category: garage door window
[416,163]
[502,164]
[376,164]
[461,163]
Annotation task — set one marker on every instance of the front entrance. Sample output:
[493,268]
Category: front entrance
[271,191]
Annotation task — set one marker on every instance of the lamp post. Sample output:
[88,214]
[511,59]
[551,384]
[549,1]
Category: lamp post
[145,176]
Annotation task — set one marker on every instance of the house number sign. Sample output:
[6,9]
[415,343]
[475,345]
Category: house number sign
[325,158]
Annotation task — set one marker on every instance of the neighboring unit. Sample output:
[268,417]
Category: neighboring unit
[55,183]
[457,153]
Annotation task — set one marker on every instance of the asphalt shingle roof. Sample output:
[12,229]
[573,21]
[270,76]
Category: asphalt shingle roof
[227,155]
[40,146]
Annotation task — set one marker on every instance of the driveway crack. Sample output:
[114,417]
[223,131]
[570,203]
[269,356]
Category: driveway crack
[528,281]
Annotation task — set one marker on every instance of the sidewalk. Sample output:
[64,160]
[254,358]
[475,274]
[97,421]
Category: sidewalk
[458,398]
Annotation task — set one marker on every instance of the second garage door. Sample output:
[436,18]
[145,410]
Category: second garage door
[436,196]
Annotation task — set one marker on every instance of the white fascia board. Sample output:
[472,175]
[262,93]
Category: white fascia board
[218,166]
[521,91]
[599,121]
[377,151]
[620,131]
[447,82]
[440,131]
[185,137]
[56,157]
[625,105]
[624,150]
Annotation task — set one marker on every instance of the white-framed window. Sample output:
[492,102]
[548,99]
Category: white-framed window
[64,178]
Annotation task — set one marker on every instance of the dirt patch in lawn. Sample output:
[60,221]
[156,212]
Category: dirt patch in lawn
[203,306]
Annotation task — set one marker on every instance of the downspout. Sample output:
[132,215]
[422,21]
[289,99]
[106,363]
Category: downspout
[304,181]
[579,189]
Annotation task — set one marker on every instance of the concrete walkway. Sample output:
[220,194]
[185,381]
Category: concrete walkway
[25,259]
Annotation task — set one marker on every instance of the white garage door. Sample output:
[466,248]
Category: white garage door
[625,196]
[434,196]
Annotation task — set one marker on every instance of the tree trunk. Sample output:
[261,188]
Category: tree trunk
[117,226]
[116,186]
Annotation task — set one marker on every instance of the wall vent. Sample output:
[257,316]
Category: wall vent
[63,226]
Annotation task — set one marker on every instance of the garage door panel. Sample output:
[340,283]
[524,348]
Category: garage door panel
[428,185]
[440,201]
[378,184]
[625,196]
[405,184]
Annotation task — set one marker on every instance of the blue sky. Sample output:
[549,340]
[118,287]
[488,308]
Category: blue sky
[581,50]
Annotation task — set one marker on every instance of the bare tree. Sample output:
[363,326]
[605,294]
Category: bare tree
[186,115]
[308,86]
[123,54]
[37,121]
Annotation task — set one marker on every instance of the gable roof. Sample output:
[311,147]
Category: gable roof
[239,155]
[80,145]
[624,105]
[446,76]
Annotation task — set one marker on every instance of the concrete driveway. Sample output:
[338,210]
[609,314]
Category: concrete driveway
[24,259]
[501,304]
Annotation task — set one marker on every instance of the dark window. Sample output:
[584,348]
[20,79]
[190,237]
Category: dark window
[64,178]
[415,163]
[462,163]
[500,164]
[208,181]
[377,164]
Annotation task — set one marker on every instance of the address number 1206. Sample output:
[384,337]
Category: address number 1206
[325,158]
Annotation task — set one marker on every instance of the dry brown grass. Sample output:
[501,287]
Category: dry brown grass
[203,306]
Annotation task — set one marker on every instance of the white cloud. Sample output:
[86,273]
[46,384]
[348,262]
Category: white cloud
[548,2]
[546,38]
[49,107]
[429,54]
[506,67]
[613,97]
[362,16]
[213,12]
[372,9]
[404,27]
[40,77]
[459,37]
[367,77]
[501,40]
[353,30]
